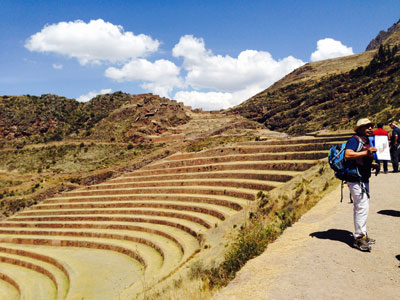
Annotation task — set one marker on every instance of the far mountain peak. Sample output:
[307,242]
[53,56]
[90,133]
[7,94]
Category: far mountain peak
[390,36]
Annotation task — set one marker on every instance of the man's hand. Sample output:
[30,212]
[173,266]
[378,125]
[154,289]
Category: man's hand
[371,151]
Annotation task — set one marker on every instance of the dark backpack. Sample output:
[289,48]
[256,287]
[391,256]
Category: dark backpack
[344,170]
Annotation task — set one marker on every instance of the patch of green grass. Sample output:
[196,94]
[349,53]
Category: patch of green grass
[69,158]
[211,142]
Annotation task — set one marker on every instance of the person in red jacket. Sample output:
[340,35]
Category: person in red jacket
[381,131]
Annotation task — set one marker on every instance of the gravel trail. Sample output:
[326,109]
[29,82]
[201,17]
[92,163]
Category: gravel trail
[314,259]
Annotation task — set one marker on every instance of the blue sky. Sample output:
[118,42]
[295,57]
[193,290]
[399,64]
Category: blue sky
[208,54]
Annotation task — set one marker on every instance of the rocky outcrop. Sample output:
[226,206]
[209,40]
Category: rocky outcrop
[382,36]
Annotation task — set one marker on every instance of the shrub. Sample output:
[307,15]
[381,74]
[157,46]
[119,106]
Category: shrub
[252,240]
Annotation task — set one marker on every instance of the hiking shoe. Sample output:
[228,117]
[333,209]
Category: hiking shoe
[370,241]
[362,244]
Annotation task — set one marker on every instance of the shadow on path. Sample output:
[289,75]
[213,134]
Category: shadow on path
[390,212]
[398,257]
[339,235]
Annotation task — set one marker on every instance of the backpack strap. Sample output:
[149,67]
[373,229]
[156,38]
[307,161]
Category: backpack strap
[361,143]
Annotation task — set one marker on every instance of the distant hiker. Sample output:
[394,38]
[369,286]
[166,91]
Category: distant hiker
[394,145]
[381,131]
[360,153]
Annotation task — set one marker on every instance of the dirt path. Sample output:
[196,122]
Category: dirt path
[314,258]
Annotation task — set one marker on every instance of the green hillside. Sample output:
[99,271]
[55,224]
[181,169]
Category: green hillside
[333,93]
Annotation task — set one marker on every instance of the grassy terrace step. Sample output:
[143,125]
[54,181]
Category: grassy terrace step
[282,165]
[208,214]
[205,221]
[197,214]
[62,275]
[252,148]
[137,237]
[202,190]
[87,234]
[207,208]
[15,260]
[32,282]
[148,257]
[192,225]
[170,252]
[231,202]
[242,183]
[84,243]
[272,175]
[9,288]
[189,224]
[338,135]
[184,233]
[184,241]
[39,263]
[239,157]
[84,264]
[288,141]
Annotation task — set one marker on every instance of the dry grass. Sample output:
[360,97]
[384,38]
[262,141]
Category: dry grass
[180,289]
[319,69]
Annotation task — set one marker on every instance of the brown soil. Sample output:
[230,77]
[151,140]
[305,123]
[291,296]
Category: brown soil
[314,259]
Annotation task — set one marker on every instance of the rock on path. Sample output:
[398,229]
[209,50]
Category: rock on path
[314,259]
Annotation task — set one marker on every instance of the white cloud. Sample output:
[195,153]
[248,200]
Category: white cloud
[58,66]
[93,42]
[233,79]
[216,100]
[192,49]
[92,94]
[228,74]
[208,101]
[330,48]
[160,76]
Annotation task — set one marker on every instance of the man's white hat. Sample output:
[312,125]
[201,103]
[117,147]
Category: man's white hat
[363,122]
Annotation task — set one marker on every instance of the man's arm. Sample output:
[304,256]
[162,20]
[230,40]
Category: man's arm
[350,154]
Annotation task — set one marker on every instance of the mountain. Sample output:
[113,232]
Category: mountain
[52,118]
[23,116]
[388,37]
[333,93]
[137,118]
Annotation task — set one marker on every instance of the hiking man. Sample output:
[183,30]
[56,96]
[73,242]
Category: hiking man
[381,131]
[359,153]
[394,146]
